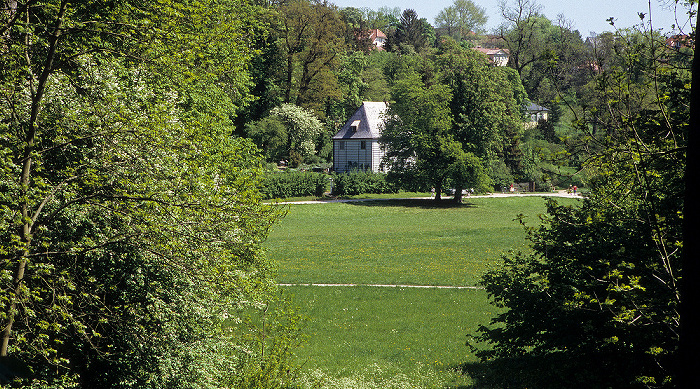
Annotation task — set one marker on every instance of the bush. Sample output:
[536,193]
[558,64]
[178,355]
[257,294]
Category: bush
[500,174]
[359,182]
[292,183]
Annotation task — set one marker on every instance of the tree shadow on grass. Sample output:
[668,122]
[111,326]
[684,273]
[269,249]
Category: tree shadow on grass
[413,203]
[553,371]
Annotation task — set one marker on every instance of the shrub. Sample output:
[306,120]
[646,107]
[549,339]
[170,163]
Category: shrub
[292,183]
[359,182]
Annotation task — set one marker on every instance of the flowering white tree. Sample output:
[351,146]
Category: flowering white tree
[303,128]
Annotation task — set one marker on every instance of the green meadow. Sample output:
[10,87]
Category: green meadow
[383,337]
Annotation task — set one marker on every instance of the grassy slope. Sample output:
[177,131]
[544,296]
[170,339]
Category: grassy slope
[394,243]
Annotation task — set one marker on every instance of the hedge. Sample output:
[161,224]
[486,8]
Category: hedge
[292,183]
[359,182]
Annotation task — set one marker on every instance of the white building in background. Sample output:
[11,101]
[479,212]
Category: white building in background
[498,57]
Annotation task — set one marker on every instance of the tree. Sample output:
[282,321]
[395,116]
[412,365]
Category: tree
[461,18]
[690,316]
[448,20]
[486,103]
[521,32]
[410,33]
[288,130]
[132,226]
[384,18]
[311,38]
[467,171]
[597,302]
[270,135]
[416,135]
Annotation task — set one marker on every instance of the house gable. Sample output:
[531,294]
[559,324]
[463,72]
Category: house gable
[356,145]
[378,38]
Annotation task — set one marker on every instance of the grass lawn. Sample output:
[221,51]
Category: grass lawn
[418,334]
[396,329]
[398,242]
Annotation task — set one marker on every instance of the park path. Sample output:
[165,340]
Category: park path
[388,286]
[561,193]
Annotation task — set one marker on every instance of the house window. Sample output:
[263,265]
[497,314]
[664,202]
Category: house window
[363,144]
[341,145]
[354,126]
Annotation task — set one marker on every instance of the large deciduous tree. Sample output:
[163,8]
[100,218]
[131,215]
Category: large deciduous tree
[416,134]
[311,39]
[596,304]
[461,18]
[131,223]
[486,104]
[420,147]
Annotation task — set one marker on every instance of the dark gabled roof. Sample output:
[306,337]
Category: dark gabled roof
[368,119]
[532,107]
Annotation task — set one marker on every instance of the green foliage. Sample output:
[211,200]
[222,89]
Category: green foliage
[486,102]
[460,19]
[311,39]
[288,130]
[453,113]
[596,304]
[468,172]
[267,337]
[292,183]
[359,182]
[271,136]
[131,222]
[593,292]
[416,135]
[412,34]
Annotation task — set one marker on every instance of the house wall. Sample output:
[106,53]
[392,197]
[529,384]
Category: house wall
[500,59]
[352,156]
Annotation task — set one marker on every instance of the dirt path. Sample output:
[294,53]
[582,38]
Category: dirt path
[389,286]
[561,193]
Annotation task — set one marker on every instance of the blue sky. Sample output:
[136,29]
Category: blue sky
[586,15]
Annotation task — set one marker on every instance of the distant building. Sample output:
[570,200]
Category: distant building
[534,113]
[498,57]
[356,145]
[680,41]
[378,38]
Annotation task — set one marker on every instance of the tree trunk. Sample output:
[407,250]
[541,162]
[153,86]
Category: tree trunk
[689,357]
[26,230]
[458,194]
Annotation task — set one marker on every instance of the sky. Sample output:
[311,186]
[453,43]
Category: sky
[586,15]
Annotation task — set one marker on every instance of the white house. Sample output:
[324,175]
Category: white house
[378,39]
[498,57]
[534,113]
[356,145]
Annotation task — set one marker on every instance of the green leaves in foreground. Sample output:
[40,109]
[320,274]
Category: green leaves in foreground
[131,220]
